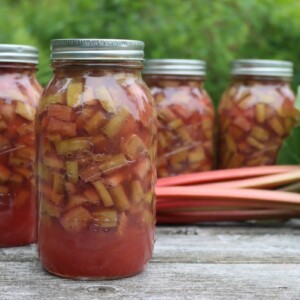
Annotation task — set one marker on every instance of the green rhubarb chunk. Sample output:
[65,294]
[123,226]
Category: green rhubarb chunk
[137,192]
[94,124]
[106,218]
[51,99]
[74,93]
[120,198]
[72,171]
[105,98]
[49,208]
[115,123]
[25,110]
[113,162]
[58,183]
[134,147]
[69,146]
[149,198]
[103,193]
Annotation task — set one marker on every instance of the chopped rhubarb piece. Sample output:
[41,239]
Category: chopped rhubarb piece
[76,220]
[94,124]
[260,133]
[242,123]
[70,188]
[74,93]
[276,125]
[103,193]
[72,171]
[48,193]
[179,156]
[77,200]
[105,218]
[184,135]
[58,183]
[4,173]
[134,147]
[53,162]
[69,146]
[25,110]
[255,143]
[120,199]
[230,143]
[7,112]
[49,208]
[2,125]
[149,197]
[166,114]
[175,124]
[260,112]
[113,162]
[115,179]
[90,173]
[91,195]
[105,98]
[147,218]
[27,153]
[114,124]
[143,167]
[196,155]
[137,192]
[61,112]
[67,129]
[162,141]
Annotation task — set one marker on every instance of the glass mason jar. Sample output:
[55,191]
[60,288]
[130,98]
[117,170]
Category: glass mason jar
[96,134]
[185,115]
[256,113]
[19,95]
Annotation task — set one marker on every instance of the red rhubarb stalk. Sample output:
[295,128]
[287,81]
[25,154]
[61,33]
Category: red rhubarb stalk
[269,198]
[270,181]
[223,175]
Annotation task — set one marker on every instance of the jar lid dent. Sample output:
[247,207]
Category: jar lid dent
[190,67]
[262,67]
[96,49]
[18,54]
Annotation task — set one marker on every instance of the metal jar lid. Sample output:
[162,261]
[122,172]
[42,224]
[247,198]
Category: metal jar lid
[96,49]
[191,67]
[262,67]
[18,54]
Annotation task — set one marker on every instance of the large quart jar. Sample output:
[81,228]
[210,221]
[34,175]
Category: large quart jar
[185,115]
[19,95]
[96,131]
[256,113]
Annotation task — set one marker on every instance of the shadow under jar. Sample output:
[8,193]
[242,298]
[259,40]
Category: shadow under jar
[185,115]
[96,134]
[19,95]
[256,113]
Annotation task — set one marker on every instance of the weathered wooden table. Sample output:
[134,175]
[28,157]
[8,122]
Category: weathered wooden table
[190,262]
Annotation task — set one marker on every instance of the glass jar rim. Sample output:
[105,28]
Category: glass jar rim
[13,53]
[262,67]
[189,67]
[97,49]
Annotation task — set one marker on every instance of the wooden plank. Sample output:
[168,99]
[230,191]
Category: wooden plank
[190,262]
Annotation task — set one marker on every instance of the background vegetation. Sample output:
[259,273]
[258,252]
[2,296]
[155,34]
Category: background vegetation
[216,31]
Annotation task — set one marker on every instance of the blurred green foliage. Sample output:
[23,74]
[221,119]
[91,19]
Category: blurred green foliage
[216,31]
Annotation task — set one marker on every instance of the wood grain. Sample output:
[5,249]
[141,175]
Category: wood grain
[189,262]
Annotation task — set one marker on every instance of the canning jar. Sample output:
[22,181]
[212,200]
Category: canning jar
[96,135]
[185,115]
[256,113]
[19,95]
